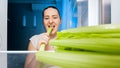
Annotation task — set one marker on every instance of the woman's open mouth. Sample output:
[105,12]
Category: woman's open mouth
[53,26]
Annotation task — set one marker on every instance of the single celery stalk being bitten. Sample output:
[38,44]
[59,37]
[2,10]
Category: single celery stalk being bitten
[43,45]
[85,47]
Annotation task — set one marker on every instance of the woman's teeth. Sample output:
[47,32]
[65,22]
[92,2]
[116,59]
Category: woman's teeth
[52,26]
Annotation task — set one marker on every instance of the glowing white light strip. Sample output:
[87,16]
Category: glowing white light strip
[17,52]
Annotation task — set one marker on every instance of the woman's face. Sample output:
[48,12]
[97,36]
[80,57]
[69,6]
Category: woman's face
[51,18]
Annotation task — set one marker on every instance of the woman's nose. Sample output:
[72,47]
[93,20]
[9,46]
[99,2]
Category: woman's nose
[51,21]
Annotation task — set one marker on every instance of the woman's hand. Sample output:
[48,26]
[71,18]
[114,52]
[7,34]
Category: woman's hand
[43,39]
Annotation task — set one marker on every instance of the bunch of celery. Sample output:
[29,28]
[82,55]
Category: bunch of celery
[85,47]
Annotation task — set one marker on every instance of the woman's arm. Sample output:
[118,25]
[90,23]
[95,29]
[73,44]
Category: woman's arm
[49,48]
[31,47]
[31,61]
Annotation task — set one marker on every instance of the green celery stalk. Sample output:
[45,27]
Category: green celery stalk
[111,45]
[72,59]
[109,28]
[85,47]
[86,35]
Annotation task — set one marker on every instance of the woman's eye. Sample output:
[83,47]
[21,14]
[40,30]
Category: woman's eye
[55,17]
[46,18]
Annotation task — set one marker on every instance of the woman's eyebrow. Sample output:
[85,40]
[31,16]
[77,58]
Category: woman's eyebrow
[54,15]
[46,16]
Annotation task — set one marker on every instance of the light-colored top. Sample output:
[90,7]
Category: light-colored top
[35,40]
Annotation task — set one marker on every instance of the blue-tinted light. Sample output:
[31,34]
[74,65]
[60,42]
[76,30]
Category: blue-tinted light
[35,22]
[24,21]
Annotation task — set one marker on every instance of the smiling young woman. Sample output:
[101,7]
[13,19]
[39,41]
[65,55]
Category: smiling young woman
[51,18]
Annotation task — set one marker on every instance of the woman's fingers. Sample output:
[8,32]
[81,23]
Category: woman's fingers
[43,39]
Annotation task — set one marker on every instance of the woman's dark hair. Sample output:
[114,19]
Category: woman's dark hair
[51,7]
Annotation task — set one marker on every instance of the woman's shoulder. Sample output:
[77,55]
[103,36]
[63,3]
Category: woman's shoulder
[34,36]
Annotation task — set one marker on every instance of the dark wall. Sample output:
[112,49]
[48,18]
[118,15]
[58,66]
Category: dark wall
[19,34]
